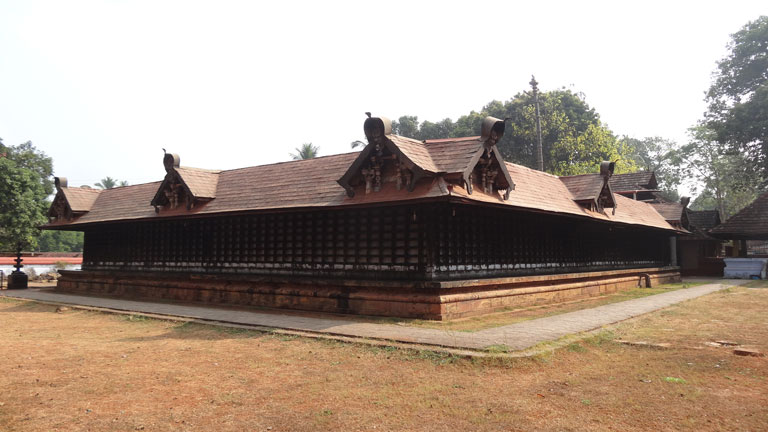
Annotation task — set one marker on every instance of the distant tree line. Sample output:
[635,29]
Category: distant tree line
[724,162]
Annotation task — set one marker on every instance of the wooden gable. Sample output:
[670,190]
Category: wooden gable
[383,160]
[487,168]
[593,191]
[184,187]
[404,161]
[70,203]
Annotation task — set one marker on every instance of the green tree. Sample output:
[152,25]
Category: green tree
[738,98]
[109,183]
[725,178]
[25,182]
[661,156]
[442,129]
[582,154]
[306,151]
[60,241]
[407,126]
[574,139]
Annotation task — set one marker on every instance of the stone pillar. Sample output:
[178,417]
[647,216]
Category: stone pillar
[673,250]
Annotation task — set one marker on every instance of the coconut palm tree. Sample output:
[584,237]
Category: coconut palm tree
[306,151]
[108,183]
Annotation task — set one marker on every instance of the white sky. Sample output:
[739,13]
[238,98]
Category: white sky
[103,86]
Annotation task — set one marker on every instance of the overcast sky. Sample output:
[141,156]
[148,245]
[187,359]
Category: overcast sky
[103,86]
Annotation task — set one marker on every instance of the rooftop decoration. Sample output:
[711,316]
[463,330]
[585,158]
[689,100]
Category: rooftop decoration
[593,191]
[71,203]
[183,186]
[403,161]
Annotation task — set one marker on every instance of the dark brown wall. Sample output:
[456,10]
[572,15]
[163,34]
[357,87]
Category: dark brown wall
[420,242]
[480,242]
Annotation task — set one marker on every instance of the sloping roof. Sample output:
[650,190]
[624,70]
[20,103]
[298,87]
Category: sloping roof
[751,223]
[415,151]
[631,182]
[80,199]
[201,183]
[703,219]
[312,183]
[584,187]
[670,210]
[453,155]
[536,190]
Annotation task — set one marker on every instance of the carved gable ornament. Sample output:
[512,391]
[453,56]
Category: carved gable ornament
[487,169]
[382,161]
[70,203]
[60,209]
[606,199]
[173,192]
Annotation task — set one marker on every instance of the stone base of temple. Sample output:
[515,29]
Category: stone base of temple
[423,300]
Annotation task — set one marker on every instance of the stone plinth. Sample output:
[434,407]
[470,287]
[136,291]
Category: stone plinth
[435,300]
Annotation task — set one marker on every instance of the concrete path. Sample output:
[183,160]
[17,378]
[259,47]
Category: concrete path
[516,337]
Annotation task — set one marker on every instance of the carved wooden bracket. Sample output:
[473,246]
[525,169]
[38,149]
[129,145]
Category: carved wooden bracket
[60,209]
[173,192]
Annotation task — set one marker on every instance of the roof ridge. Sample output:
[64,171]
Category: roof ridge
[437,140]
[80,188]
[578,175]
[532,170]
[212,171]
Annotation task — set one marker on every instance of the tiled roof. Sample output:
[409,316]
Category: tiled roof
[536,190]
[539,190]
[670,210]
[452,155]
[584,187]
[632,182]
[80,199]
[703,219]
[751,223]
[415,151]
[311,183]
[202,183]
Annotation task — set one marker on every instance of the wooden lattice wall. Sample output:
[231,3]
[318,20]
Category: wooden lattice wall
[420,242]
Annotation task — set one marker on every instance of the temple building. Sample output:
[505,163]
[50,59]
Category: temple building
[433,229]
[697,252]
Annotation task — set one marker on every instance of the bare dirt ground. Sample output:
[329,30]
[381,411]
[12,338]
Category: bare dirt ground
[76,371]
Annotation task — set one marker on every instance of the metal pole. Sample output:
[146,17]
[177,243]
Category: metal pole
[539,151]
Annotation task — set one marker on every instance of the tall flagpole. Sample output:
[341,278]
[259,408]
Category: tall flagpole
[539,151]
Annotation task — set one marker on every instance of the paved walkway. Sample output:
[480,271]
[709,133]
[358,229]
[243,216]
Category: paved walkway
[517,336]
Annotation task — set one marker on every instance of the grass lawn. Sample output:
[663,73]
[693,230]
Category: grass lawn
[512,316]
[76,370]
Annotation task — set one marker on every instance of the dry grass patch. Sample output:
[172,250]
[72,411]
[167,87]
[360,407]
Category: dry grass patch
[80,370]
[757,284]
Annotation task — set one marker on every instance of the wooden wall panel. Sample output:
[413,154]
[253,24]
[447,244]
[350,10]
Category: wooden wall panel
[421,242]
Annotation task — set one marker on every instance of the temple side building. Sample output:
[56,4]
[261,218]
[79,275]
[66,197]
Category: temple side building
[430,229]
